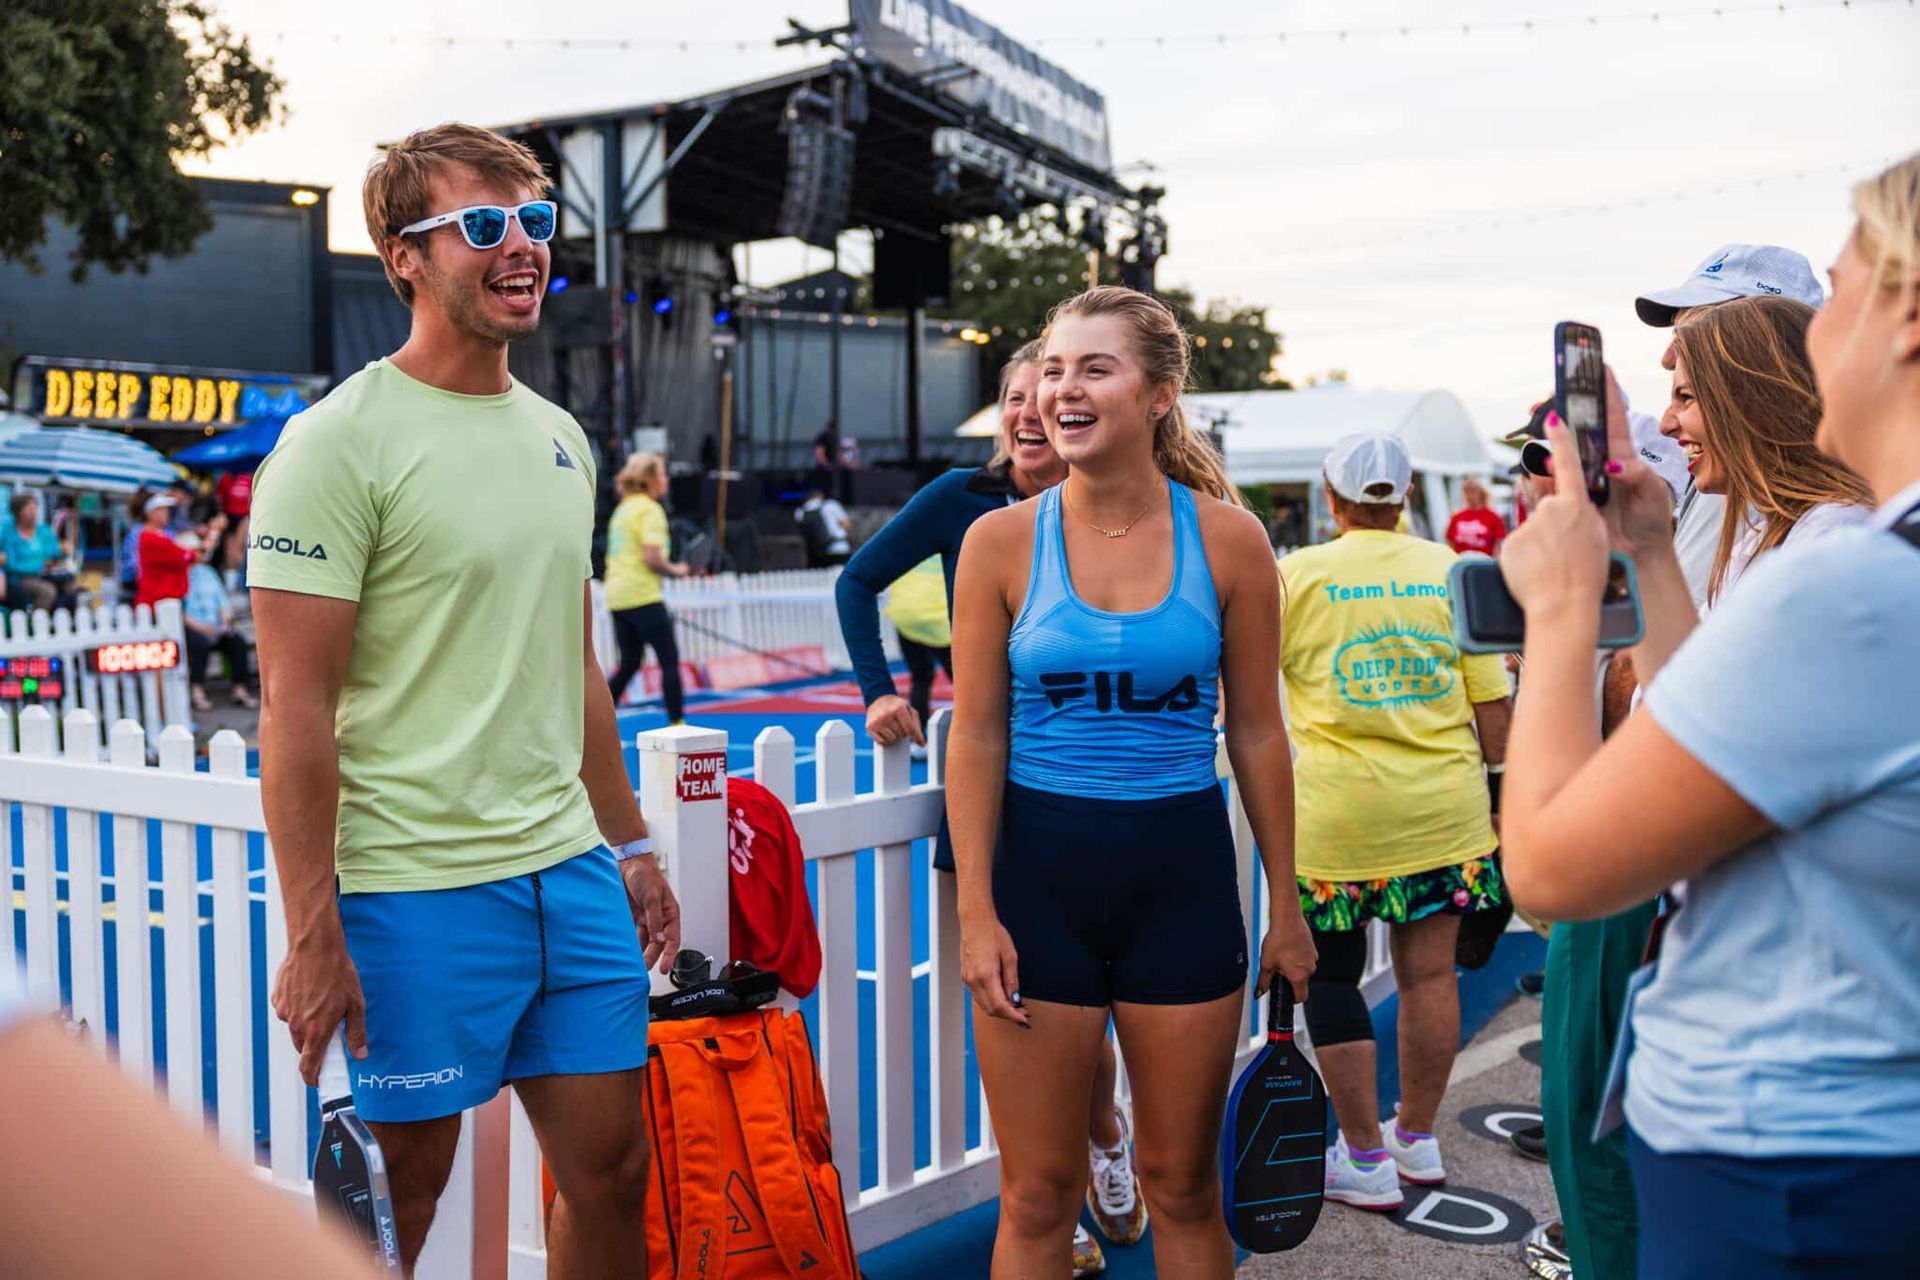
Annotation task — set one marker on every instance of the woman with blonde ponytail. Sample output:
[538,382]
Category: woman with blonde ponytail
[1093,629]
[1772,1085]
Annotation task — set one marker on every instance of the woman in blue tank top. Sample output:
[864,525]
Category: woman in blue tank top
[1092,629]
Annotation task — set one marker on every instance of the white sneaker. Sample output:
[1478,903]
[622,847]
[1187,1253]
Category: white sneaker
[1113,1188]
[1376,1188]
[1418,1160]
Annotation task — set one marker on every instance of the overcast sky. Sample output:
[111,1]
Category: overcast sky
[1352,186]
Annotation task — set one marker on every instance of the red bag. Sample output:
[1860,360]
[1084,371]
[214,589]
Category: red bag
[770,916]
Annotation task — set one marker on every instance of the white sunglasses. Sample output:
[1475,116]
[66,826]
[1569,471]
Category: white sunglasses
[485,225]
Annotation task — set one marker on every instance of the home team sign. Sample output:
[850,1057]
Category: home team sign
[703,776]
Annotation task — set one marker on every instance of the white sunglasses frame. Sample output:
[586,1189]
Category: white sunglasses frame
[512,212]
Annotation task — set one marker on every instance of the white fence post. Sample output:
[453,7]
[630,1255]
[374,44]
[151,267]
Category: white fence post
[36,830]
[839,915]
[893,983]
[946,993]
[87,941]
[232,963]
[133,923]
[180,916]
[683,790]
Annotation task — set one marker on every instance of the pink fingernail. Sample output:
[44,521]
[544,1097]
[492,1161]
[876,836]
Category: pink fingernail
[1615,468]
[1553,420]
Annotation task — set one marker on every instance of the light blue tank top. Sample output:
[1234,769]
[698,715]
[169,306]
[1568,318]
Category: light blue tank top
[1114,706]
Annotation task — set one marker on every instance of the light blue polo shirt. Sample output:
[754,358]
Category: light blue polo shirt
[1784,1019]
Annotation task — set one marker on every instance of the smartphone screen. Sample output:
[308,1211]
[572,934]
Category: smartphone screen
[1580,390]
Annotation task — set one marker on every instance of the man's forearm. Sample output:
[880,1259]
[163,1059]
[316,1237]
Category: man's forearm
[603,771]
[300,792]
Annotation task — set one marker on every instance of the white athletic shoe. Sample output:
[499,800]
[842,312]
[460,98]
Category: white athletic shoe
[1376,1188]
[1419,1160]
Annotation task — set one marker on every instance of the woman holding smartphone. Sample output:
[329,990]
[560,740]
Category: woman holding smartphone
[1092,631]
[1773,1051]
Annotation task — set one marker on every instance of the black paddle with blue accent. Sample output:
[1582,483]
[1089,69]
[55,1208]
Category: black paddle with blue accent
[1273,1145]
[349,1173]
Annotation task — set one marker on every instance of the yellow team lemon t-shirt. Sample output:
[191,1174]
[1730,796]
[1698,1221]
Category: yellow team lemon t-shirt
[917,603]
[1389,780]
[638,523]
[462,525]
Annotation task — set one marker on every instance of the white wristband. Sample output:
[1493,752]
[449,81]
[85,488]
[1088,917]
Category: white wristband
[633,849]
[1497,768]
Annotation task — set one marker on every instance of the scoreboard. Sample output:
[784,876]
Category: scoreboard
[34,679]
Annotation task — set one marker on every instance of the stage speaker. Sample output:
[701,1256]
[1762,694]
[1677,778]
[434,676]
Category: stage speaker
[819,181]
[578,317]
[911,272]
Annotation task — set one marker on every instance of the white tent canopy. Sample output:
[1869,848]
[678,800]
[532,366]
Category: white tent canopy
[1279,437]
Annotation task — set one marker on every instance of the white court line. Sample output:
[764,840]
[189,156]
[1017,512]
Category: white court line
[1483,1056]
[920,970]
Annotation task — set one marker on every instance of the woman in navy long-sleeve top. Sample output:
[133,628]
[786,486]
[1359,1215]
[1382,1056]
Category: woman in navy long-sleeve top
[934,523]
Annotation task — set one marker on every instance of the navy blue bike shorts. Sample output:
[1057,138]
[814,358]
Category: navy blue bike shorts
[1135,901]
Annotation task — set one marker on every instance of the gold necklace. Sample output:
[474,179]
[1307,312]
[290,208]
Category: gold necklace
[1121,532]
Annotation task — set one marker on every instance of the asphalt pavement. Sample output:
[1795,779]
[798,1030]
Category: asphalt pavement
[1469,1229]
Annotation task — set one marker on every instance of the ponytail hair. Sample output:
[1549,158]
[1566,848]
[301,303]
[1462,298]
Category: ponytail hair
[1163,349]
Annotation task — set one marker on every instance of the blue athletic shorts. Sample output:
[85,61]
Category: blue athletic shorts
[1136,901]
[470,988]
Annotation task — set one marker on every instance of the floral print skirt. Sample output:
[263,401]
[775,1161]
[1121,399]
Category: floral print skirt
[1334,906]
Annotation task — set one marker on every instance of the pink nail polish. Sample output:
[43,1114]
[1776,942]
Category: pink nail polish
[1553,420]
[1615,468]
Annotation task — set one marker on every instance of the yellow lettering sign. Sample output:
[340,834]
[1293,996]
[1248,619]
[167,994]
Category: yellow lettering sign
[205,399]
[229,396]
[59,394]
[129,395]
[180,408]
[162,391]
[83,393]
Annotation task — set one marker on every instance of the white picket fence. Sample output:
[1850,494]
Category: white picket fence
[491,1219]
[788,612]
[154,699]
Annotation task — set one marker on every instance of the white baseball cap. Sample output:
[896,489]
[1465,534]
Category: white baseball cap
[1735,271]
[160,500]
[1657,451]
[1369,466]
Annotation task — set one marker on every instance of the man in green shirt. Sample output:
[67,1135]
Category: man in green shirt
[439,759]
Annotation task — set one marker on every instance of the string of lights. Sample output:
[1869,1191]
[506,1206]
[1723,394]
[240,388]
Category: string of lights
[1337,34]
[1534,217]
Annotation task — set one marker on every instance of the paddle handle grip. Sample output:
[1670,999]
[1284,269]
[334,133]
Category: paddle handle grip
[334,1083]
[1280,1009]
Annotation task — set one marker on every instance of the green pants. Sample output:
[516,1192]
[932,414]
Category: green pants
[1588,964]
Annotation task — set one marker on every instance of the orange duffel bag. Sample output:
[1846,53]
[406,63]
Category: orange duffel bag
[743,1184]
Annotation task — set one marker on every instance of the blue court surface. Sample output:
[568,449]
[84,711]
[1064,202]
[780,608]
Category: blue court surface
[958,1246]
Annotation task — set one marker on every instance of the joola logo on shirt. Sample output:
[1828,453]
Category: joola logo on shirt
[287,546]
[1113,691]
[560,458]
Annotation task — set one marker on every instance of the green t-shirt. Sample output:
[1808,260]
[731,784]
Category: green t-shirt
[462,525]
[638,523]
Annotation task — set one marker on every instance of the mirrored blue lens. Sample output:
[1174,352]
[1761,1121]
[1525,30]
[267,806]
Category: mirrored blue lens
[484,228]
[536,219]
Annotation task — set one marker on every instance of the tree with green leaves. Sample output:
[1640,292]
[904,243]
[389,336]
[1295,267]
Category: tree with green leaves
[98,100]
[1008,274]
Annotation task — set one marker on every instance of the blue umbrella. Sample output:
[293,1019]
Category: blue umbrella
[82,458]
[241,449]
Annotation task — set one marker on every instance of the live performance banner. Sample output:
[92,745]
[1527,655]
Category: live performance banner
[1016,85]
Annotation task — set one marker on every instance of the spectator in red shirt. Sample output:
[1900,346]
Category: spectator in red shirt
[1476,526]
[163,562]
